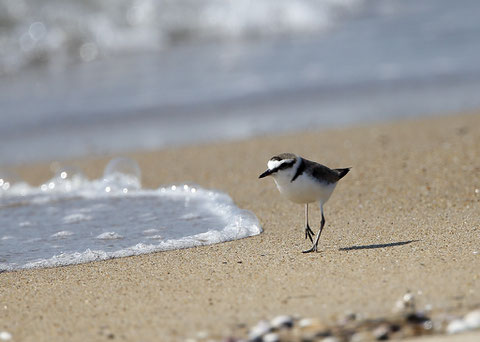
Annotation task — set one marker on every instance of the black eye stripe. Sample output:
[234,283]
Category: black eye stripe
[286,165]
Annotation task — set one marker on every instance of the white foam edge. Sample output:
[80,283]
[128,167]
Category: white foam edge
[242,228]
[240,224]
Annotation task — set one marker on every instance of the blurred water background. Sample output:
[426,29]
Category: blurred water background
[82,77]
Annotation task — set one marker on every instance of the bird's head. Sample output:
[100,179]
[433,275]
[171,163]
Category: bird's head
[279,164]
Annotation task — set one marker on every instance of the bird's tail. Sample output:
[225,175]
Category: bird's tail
[342,172]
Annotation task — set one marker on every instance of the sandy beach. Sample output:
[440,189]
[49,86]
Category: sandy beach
[406,218]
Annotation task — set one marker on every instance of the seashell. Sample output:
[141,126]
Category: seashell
[457,326]
[281,322]
[305,322]
[271,337]
[472,319]
[381,332]
[311,323]
[5,336]
[331,339]
[256,333]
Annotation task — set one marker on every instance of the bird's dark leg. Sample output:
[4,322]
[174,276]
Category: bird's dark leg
[315,245]
[308,232]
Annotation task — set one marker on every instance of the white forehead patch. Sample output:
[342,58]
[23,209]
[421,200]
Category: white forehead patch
[272,164]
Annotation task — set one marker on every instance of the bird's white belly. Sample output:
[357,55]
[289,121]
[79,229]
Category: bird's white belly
[304,189]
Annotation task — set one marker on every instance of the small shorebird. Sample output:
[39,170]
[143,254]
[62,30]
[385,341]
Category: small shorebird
[304,181]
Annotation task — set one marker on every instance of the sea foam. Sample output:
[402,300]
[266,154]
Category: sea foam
[71,220]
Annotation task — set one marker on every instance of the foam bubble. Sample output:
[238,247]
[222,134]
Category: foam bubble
[122,175]
[109,236]
[68,178]
[63,233]
[7,180]
[156,237]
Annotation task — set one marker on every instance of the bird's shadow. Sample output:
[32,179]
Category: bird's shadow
[381,245]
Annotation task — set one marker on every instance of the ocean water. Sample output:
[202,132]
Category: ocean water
[80,77]
[71,220]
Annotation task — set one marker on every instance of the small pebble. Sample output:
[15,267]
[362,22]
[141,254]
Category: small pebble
[271,337]
[399,306]
[202,335]
[472,319]
[417,318]
[408,298]
[257,332]
[331,339]
[362,336]
[313,327]
[305,322]
[381,332]
[457,326]
[406,303]
[428,325]
[349,317]
[5,336]
[281,322]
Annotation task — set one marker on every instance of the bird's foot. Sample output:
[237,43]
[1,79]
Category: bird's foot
[313,249]
[309,233]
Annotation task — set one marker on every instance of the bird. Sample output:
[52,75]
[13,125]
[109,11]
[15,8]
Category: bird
[304,181]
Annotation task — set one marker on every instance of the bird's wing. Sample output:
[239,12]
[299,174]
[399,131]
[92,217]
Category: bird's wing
[320,171]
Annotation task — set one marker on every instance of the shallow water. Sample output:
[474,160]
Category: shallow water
[73,220]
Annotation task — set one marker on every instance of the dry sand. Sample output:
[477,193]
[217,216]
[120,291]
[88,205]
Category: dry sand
[407,217]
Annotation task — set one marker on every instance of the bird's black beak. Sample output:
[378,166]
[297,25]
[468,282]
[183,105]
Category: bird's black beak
[266,173]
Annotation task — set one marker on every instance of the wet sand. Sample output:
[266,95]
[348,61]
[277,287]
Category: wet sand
[406,218]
